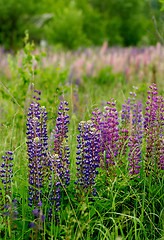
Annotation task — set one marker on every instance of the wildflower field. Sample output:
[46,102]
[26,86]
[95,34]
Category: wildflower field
[82,144]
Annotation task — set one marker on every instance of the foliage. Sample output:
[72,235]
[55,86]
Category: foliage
[67,28]
[107,77]
[79,23]
[14,20]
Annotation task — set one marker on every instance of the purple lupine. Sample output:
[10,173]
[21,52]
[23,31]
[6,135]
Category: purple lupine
[34,153]
[153,124]
[159,144]
[36,147]
[135,140]
[60,146]
[59,158]
[6,174]
[109,137]
[96,118]
[160,129]
[88,157]
[44,142]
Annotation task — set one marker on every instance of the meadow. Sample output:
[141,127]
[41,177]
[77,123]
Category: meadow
[82,143]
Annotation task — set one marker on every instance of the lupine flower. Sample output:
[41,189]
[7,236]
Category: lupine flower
[44,141]
[6,173]
[36,147]
[35,167]
[59,159]
[135,140]
[60,146]
[96,118]
[153,124]
[109,137]
[88,158]
[107,123]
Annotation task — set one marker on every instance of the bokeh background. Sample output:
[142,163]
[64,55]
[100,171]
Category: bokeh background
[74,23]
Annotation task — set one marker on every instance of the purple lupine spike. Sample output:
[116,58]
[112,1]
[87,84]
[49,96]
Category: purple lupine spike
[153,124]
[60,146]
[109,137]
[96,118]
[88,158]
[44,141]
[135,140]
[107,123]
[35,167]
[159,144]
[6,174]
[59,159]
[37,152]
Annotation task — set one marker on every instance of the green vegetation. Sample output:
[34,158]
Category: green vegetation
[74,23]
